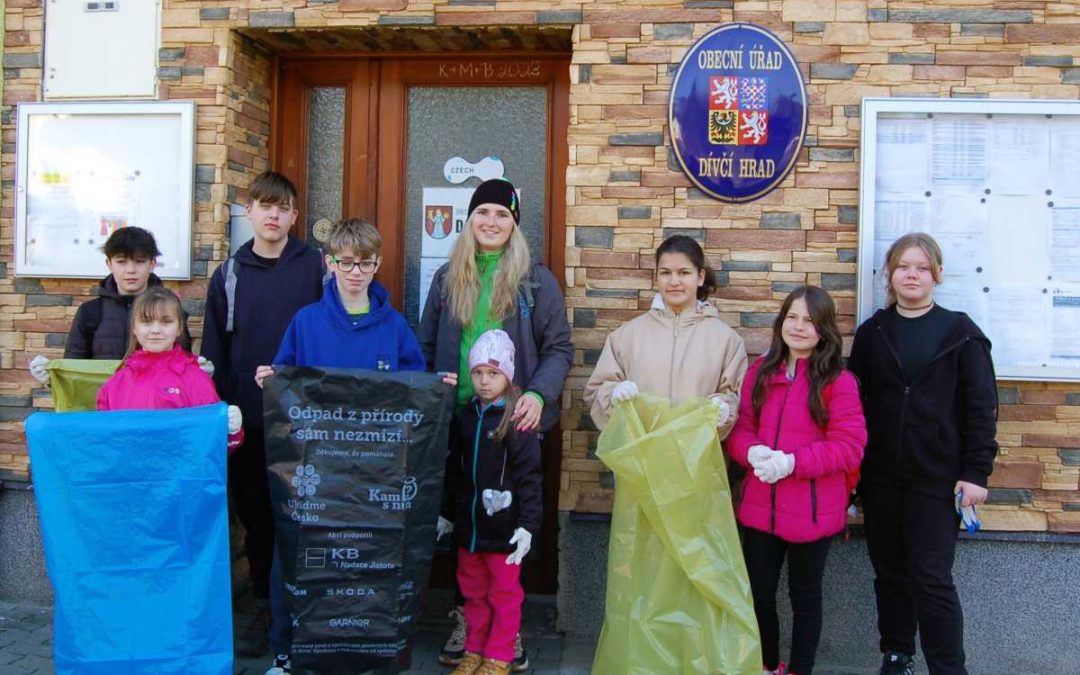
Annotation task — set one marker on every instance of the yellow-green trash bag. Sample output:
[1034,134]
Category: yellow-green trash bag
[678,597]
[75,382]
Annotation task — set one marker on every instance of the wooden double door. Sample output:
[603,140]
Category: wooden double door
[401,141]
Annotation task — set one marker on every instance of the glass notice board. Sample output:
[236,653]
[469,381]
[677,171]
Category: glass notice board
[997,184]
[86,169]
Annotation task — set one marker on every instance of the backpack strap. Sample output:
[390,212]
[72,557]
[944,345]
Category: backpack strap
[230,293]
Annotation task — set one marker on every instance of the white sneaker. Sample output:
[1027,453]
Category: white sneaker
[281,666]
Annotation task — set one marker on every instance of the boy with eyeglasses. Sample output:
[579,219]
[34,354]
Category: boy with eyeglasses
[251,300]
[353,326]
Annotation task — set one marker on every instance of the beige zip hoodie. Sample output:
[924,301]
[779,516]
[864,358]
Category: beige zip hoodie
[678,356]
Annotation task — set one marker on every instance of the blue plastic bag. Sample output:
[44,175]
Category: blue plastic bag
[136,533]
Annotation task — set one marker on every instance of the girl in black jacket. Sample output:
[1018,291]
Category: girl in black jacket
[930,400]
[492,501]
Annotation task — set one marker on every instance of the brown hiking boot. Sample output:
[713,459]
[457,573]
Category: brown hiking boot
[470,664]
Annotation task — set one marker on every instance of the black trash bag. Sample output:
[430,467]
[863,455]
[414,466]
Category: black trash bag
[355,462]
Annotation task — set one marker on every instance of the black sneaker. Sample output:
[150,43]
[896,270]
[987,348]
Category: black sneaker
[897,663]
[253,641]
[281,666]
[521,657]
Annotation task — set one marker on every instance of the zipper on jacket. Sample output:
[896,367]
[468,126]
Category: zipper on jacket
[475,461]
[776,441]
[813,501]
[671,366]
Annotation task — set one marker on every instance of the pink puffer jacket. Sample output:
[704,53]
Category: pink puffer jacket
[810,503]
[161,381]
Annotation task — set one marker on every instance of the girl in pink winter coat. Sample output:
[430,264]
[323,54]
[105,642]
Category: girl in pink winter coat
[801,430]
[156,372]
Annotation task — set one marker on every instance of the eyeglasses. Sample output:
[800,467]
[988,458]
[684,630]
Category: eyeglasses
[346,266]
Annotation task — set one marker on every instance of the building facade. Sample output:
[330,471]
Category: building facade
[362,102]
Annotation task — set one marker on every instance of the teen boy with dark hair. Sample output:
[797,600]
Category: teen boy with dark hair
[101,327]
[251,300]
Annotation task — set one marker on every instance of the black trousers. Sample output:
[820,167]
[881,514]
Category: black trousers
[250,495]
[764,555]
[912,539]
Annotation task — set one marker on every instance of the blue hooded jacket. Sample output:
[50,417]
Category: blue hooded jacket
[323,335]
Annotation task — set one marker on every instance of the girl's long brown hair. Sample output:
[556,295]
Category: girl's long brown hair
[826,361]
[152,303]
[510,399]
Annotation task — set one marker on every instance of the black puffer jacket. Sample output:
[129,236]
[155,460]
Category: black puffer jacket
[926,434]
[478,462]
[100,329]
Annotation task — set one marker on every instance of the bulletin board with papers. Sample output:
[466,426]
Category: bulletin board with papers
[997,184]
[85,170]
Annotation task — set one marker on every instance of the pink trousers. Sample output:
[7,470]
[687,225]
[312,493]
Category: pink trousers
[493,596]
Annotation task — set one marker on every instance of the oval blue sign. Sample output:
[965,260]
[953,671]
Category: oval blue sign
[737,112]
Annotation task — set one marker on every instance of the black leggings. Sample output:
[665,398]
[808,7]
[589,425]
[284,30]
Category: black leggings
[806,565]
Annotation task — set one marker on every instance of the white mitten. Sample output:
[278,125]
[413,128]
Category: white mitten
[236,420]
[443,528]
[38,370]
[778,465]
[724,414]
[524,542]
[757,454]
[624,391]
[206,366]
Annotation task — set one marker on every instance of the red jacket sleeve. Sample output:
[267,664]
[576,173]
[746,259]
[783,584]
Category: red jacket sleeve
[845,433]
[745,433]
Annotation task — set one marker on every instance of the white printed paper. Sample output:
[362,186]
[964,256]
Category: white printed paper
[1020,155]
[959,153]
[1065,156]
[903,155]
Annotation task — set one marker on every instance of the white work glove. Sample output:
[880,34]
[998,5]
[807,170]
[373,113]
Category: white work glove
[206,366]
[236,420]
[778,465]
[524,542]
[757,454]
[443,528]
[624,391]
[725,409]
[38,370]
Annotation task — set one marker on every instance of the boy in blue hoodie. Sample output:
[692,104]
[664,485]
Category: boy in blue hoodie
[252,297]
[353,326]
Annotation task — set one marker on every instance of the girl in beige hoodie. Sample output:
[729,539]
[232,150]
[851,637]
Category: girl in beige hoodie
[679,349]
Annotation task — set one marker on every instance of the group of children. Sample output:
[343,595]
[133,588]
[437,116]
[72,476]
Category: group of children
[924,445]
[796,421]
[269,305]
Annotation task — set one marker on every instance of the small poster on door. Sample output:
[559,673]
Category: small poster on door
[445,212]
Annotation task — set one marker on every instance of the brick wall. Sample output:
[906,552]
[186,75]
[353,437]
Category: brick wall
[625,193]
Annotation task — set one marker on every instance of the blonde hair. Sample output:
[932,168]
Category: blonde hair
[153,303]
[892,259]
[463,277]
[354,235]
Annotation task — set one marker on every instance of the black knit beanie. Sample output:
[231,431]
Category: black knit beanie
[497,191]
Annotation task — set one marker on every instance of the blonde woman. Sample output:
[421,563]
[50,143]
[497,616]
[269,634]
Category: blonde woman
[930,398]
[491,282]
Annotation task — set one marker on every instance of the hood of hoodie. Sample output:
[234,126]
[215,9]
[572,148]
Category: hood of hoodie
[334,308]
[245,255]
[699,312]
[107,289]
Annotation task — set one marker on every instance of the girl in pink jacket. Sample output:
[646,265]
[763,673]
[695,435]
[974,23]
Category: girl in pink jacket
[156,372]
[801,430]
